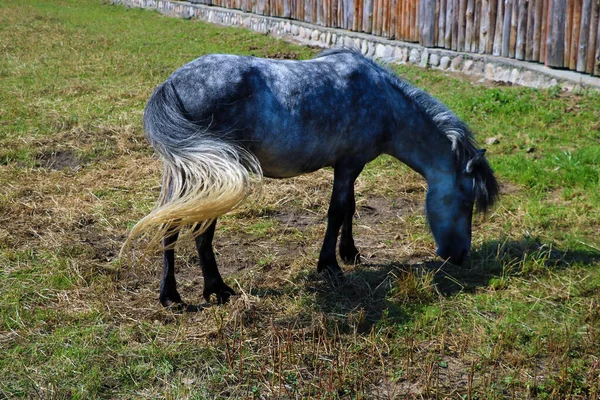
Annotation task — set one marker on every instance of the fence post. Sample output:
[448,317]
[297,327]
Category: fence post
[521,30]
[427,23]
[555,43]
[589,68]
[584,32]
[537,29]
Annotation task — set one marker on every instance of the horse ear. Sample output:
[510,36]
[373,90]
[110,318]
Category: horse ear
[476,160]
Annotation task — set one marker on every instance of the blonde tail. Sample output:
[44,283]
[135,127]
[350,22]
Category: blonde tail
[204,177]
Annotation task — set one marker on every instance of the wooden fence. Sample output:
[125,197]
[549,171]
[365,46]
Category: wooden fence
[558,33]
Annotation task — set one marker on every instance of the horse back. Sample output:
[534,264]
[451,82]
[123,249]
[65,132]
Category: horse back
[295,116]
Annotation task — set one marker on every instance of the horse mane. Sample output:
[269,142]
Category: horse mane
[462,140]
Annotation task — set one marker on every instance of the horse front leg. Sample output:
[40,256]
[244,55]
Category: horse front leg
[168,286]
[341,209]
[213,283]
[348,251]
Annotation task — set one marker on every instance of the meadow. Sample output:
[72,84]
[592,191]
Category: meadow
[521,319]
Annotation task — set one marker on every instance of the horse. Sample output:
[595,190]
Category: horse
[222,122]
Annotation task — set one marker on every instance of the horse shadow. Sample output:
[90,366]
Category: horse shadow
[393,291]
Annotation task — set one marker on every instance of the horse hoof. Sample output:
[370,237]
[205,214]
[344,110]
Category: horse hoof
[170,300]
[350,256]
[349,253]
[220,290]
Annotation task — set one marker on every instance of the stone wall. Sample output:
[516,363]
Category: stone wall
[488,67]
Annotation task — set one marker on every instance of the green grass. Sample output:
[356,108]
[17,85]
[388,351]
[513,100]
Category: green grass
[520,320]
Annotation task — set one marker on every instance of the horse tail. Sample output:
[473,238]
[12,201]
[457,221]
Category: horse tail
[204,176]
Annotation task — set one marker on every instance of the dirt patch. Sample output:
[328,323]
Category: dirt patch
[60,159]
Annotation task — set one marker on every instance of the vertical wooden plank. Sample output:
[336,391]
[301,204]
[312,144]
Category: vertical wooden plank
[484,30]
[375,18]
[441,24]
[556,30]
[427,23]
[361,15]
[367,23]
[521,30]
[530,30]
[584,34]
[307,10]
[596,70]
[412,13]
[476,27]
[356,15]
[436,18]
[462,11]
[411,20]
[575,25]
[381,16]
[568,29]
[319,12]
[448,23]
[400,19]
[420,21]
[392,18]
[492,16]
[513,28]
[537,29]
[415,31]
[454,36]
[417,20]
[499,30]
[589,68]
[469,16]
[544,30]
[396,19]
[508,4]
[385,18]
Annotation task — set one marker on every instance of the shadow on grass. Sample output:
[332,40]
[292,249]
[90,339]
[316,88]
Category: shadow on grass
[395,291]
[501,259]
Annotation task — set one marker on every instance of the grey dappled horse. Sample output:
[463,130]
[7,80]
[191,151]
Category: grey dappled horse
[222,121]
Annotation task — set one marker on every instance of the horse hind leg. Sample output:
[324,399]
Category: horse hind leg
[169,296]
[213,282]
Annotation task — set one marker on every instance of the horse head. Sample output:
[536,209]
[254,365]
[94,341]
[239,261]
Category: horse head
[450,203]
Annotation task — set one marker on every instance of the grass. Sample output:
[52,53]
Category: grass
[520,320]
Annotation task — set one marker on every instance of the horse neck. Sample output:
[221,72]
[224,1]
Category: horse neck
[419,144]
